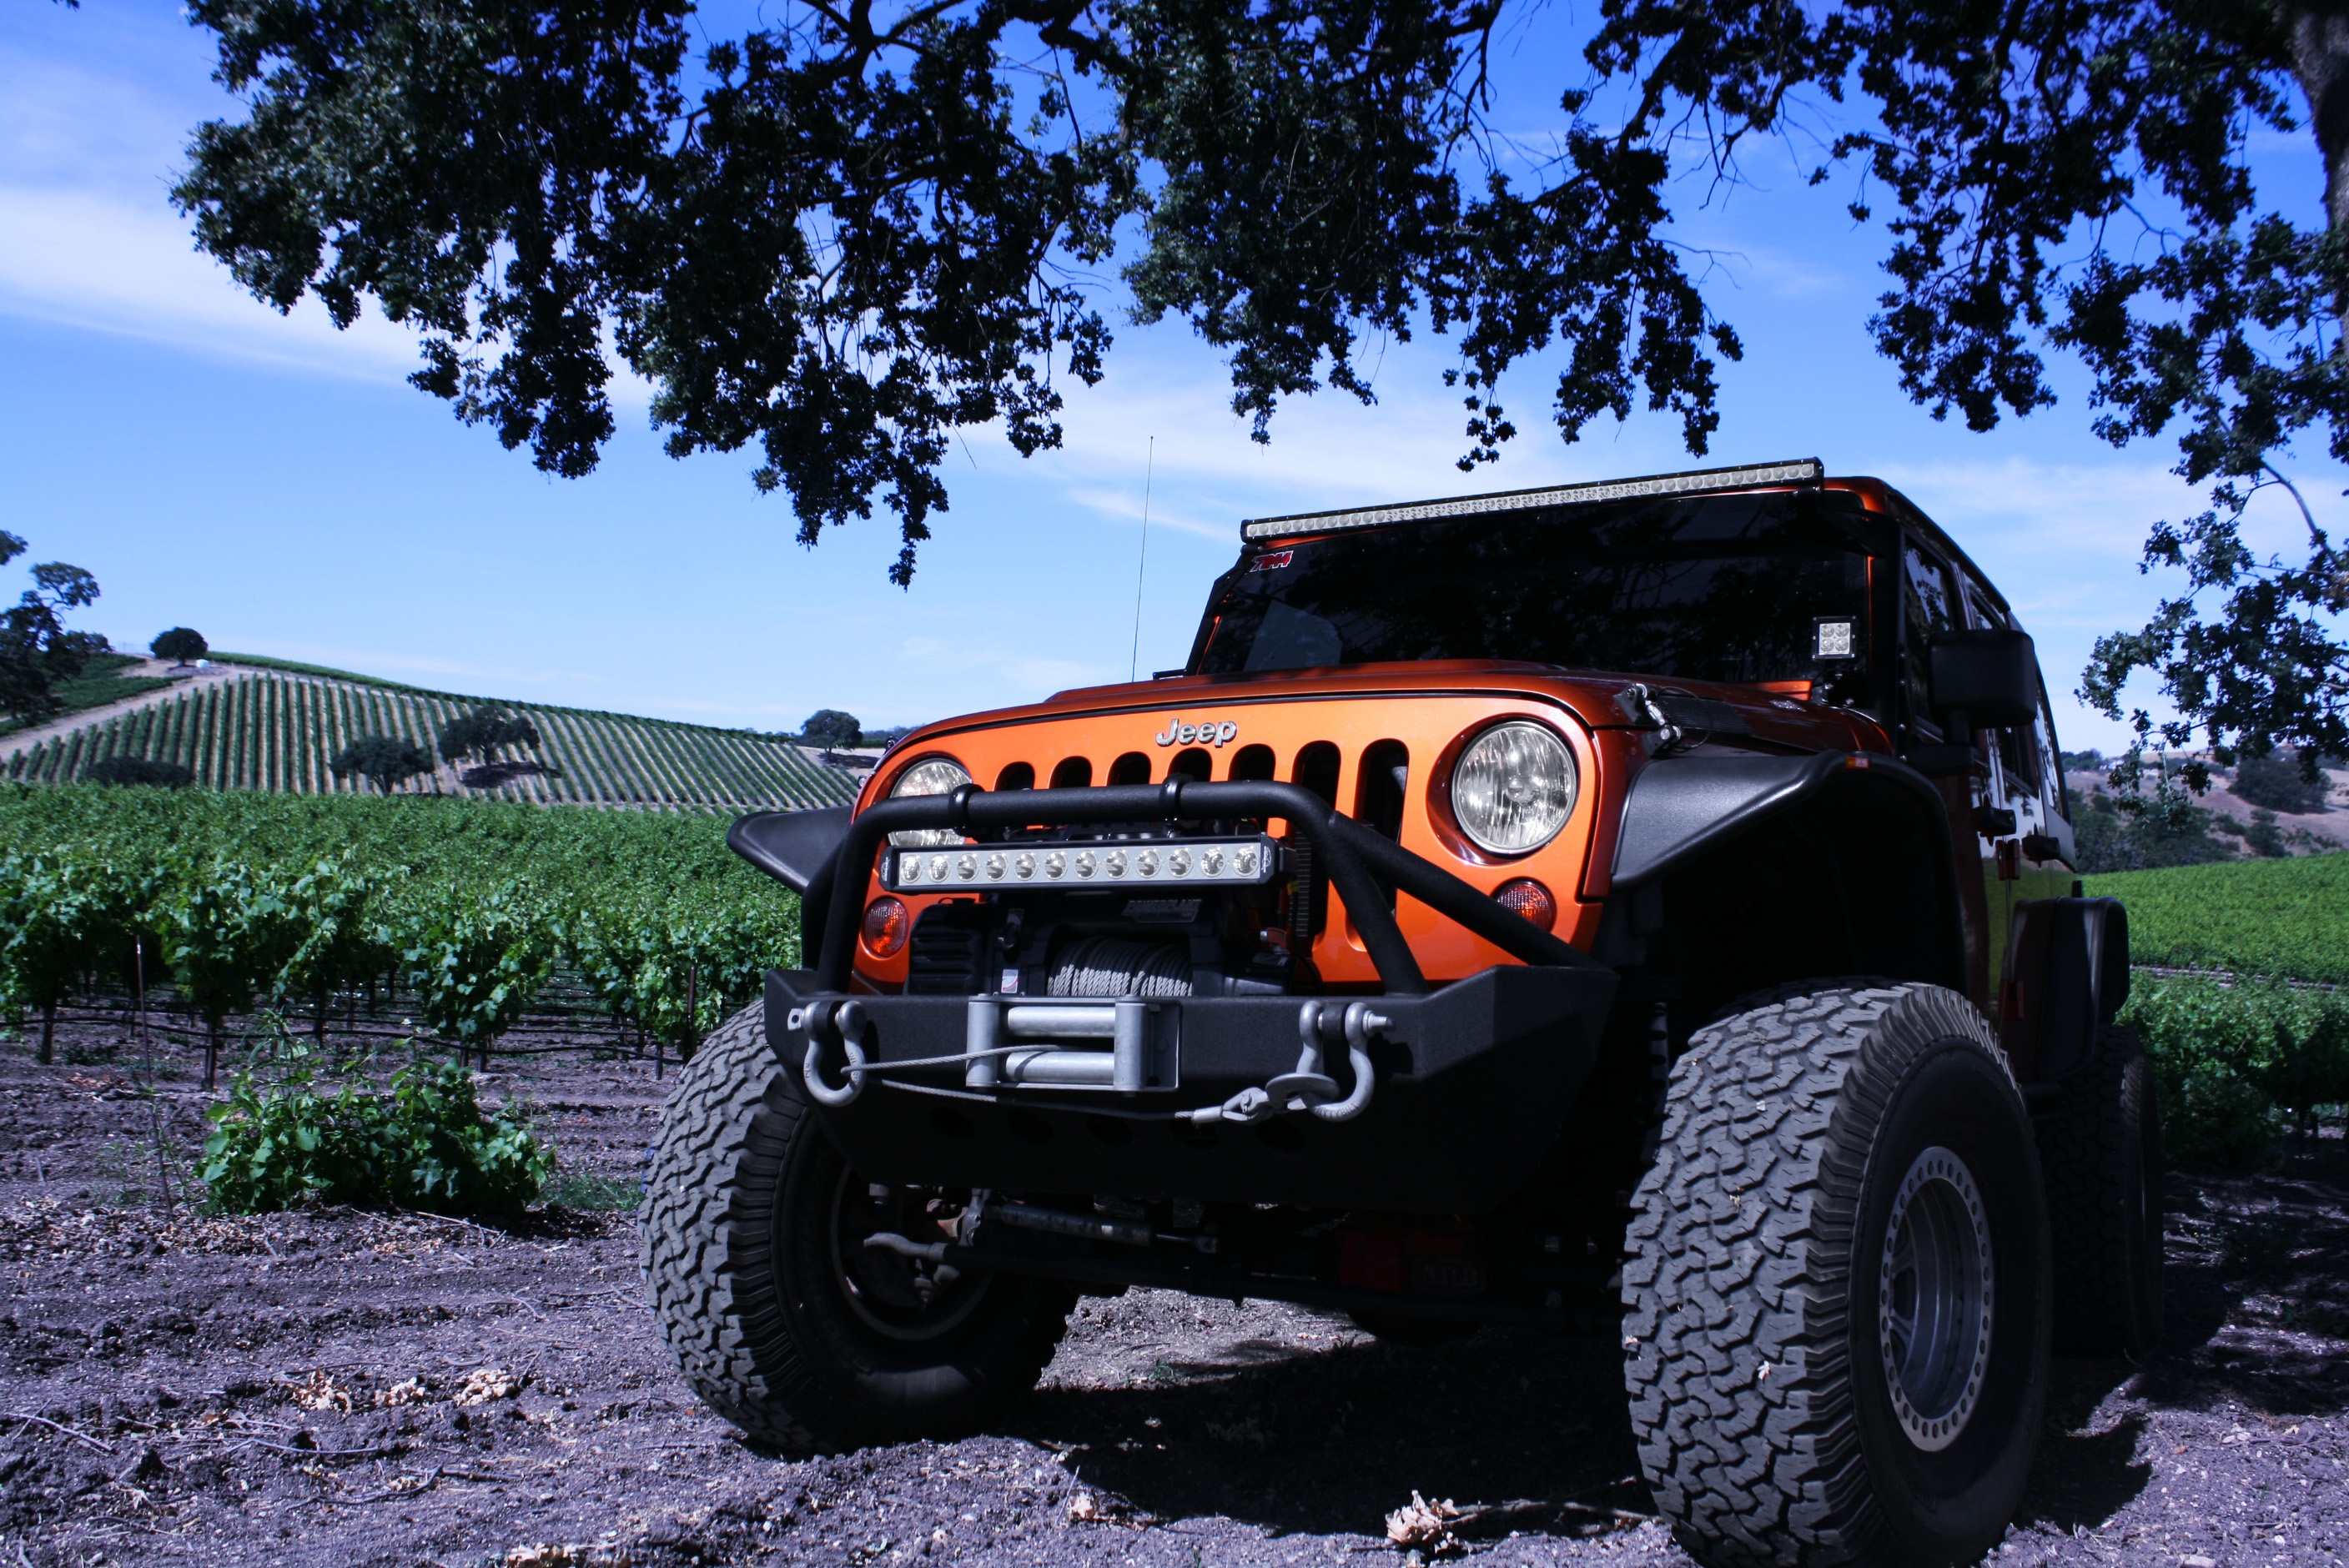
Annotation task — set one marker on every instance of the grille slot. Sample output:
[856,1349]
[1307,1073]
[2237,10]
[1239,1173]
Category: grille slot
[948,951]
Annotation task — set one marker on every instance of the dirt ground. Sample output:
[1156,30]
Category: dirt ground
[337,1387]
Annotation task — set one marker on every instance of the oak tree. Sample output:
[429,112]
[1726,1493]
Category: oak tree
[384,760]
[37,651]
[180,644]
[845,236]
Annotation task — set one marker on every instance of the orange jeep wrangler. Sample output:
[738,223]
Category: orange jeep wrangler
[1637,909]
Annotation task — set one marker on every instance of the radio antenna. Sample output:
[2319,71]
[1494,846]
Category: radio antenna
[1133,661]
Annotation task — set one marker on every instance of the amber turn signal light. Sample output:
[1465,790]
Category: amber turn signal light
[1521,896]
[887,926]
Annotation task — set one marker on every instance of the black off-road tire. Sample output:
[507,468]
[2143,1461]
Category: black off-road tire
[2100,1147]
[1771,1422]
[744,1270]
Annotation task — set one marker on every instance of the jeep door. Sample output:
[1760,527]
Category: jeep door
[1931,602]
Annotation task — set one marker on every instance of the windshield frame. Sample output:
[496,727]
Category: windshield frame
[1865,531]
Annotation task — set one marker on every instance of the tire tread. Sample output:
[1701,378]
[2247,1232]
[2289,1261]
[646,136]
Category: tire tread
[2089,1143]
[1736,1334]
[709,1216]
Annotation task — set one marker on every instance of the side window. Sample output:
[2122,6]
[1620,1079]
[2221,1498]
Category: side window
[2021,753]
[1927,607]
[2051,758]
[2024,756]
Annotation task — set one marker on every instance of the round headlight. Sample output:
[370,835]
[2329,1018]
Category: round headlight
[930,775]
[1513,788]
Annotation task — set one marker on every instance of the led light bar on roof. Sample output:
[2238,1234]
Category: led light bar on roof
[1802,471]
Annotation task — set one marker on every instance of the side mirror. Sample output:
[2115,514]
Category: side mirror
[1988,678]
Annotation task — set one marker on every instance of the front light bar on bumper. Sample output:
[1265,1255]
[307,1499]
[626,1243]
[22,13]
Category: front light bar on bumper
[1189,865]
[1435,1102]
[1355,859]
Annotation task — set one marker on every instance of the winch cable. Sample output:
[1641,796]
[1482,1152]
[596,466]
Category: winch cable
[1110,966]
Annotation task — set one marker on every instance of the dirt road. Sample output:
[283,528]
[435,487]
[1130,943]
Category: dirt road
[336,1388]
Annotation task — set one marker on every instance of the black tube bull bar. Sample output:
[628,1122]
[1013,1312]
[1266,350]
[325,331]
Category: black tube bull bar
[1355,859]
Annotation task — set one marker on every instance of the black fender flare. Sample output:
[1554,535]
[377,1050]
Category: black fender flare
[799,849]
[1680,807]
[2068,965]
[1678,810]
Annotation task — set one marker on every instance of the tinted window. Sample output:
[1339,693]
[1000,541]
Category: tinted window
[2051,757]
[2022,757]
[1929,604]
[1726,588]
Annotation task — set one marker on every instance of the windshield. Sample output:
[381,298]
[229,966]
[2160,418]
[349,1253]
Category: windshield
[1717,588]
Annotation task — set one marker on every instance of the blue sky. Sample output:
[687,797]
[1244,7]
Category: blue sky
[276,485]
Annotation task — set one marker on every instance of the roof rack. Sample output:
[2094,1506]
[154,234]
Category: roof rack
[1803,470]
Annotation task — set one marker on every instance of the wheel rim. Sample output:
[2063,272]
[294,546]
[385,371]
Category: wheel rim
[1935,1294]
[899,1297]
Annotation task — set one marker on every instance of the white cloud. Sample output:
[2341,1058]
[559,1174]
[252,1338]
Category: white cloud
[105,265]
[1013,669]
[2080,493]
[64,126]
[89,238]
[97,262]
[1327,450]
[1134,506]
[1768,270]
[1047,675]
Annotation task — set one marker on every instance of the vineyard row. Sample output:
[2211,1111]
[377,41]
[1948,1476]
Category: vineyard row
[278,733]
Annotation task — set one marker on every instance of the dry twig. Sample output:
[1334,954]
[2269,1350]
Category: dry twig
[66,1431]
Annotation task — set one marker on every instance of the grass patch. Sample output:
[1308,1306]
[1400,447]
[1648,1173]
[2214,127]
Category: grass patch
[99,682]
[587,1190]
[2282,917]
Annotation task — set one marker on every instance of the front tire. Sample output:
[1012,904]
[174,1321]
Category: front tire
[781,1319]
[1836,1337]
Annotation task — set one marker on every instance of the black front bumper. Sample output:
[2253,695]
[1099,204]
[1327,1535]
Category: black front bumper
[1472,1085]
[1469,1084]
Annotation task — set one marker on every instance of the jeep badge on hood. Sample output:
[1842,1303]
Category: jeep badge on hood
[1210,733]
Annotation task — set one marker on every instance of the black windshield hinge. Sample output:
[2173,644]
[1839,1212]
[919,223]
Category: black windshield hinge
[1639,707]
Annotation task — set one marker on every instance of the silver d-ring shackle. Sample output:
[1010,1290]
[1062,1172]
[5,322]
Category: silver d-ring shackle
[1309,1087]
[843,1021]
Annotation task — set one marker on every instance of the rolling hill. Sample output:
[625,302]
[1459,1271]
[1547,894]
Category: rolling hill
[274,726]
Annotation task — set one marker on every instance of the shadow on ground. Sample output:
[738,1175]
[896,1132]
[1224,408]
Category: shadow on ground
[1533,1431]
[2256,1298]
[1530,1427]
[2257,1293]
